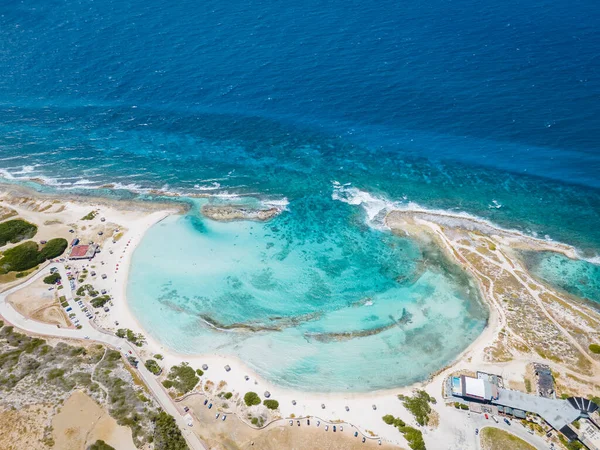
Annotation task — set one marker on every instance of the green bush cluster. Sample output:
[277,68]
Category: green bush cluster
[251,399]
[153,366]
[135,338]
[418,405]
[199,372]
[271,404]
[27,255]
[459,405]
[99,302]
[100,445]
[167,435]
[16,230]
[227,395]
[182,377]
[87,288]
[594,348]
[90,215]
[52,278]
[413,436]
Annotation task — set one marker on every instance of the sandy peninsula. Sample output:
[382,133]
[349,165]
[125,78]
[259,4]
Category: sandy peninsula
[529,322]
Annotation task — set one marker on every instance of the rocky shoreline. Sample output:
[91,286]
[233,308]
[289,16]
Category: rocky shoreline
[226,213]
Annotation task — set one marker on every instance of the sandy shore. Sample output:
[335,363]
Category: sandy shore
[133,219]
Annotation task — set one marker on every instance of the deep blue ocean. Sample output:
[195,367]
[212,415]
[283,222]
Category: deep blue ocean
[489,108]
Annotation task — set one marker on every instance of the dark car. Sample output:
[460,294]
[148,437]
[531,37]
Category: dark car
[209,405]
[506,421]
[186,409]
[205,402]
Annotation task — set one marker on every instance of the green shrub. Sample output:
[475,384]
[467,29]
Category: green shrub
[158,356]
[413,436]
[99,302]
[55,373]
[53,248]
[167,384]
[183,378]
[100,445]
[389,419]
[271,404]
[52,278]
[418,405]
[199,372]
[153,366]
[26,255]
[17,230]
[594,348]
[89,216]
[228,395]
[251,399]
[167,435]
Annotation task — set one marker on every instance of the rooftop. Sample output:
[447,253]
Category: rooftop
[556,412]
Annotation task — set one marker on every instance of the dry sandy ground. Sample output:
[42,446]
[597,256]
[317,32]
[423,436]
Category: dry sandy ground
[235,435]
[81,422]
[24,429]
[37,302]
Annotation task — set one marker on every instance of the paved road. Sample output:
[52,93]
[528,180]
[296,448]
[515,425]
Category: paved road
[15,318]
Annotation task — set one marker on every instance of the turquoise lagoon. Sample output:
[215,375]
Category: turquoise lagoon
[313,299]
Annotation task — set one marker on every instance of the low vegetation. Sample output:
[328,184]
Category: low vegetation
[595,348]
[16,230]
[418,405]
[135,338]
[90,216]
[496,439]
[271,404]
[52,278]
[251,399]
[153,366]
[87,288]
[413,436]
[182,378]
[28,255]
[167,435]
[99,302]
[100,445]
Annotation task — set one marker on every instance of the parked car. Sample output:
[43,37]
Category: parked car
[486,416]
[186,409]
[476,431]
[224,417]
[506,421]
[205,402]
[209,405]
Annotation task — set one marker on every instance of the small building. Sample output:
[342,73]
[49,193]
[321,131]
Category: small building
[474,389]
[545,380]
[83,251]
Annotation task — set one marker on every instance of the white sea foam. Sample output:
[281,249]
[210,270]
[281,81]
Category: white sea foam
[207,187]
[375,207]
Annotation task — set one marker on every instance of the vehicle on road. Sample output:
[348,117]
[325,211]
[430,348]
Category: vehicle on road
[506,421]
[486,416]
[186,408]
[476,431]
[495,419]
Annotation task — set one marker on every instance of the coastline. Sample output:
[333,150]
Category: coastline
[309,403]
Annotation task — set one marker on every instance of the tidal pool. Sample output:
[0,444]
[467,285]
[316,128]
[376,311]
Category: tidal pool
[314,299]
